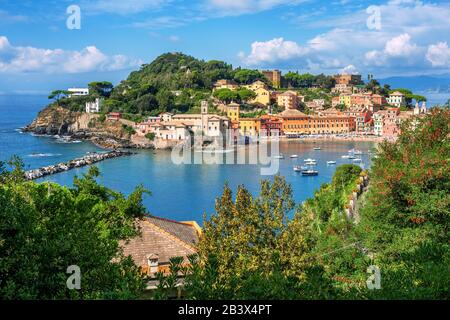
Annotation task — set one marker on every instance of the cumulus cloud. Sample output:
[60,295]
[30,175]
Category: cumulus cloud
[408,27]
[400,48]
[273,51]
[439,55]
[350,69]
[30,59]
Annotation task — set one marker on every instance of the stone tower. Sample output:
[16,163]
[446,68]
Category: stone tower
[204,116]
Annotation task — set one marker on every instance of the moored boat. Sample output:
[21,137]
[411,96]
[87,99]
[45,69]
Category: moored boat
[310,172]
[294,156]
[331,162]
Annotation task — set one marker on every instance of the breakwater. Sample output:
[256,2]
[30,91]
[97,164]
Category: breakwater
[72,164]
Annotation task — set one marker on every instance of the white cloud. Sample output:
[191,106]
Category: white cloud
[273,51]
[350,69]
[439,55]
[399,49]
[30,59]
[400,46]
[408,27]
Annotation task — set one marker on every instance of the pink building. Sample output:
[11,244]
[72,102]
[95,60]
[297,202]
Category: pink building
[391,127]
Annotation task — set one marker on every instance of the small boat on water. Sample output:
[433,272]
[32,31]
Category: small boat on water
[331,162]
[351,157]
[310,160]
[357,152]
[280,156]
[300,168]
[357,160]
[317,148]
[310,172]
[345,157]
[294,156]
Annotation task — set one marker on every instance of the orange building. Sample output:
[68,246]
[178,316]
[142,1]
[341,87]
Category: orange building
[331,124]
[294,122]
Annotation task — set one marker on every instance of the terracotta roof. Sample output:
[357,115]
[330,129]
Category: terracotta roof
[293,113]
[162,237]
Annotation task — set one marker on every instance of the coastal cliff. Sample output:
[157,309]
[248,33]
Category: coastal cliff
[55,120]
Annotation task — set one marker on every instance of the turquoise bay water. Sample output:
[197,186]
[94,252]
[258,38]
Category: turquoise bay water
[180,192]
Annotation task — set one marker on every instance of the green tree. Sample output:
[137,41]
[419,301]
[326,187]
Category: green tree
[165,100]
[45,228]
[100,88]
[226,95]
[247,76]
[57,95]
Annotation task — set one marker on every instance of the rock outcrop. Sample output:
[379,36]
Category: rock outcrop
[85,126]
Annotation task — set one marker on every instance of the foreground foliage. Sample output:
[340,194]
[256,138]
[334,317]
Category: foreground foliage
[45,228]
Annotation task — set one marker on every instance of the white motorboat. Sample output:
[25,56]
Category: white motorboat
[357,160]
[331,162]
[310,172]
[280,156]
[345,157]
[317,148]
[294,156]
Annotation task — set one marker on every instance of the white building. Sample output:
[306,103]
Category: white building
[181,126]
[78,92]
[397,99]
[378,120]
[94,106]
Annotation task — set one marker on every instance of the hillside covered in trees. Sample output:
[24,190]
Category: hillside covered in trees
[172,82]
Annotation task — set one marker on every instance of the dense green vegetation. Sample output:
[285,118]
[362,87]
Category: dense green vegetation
[307,80]
[241,95]
[45,228]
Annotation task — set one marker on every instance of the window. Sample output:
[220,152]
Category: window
[153,262]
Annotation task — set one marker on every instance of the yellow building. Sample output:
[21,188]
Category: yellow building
[249,126]
[346,100]
[262,93]
[233,110]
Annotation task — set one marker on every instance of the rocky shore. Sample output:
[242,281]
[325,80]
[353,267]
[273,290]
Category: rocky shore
[57,121]
[72,164]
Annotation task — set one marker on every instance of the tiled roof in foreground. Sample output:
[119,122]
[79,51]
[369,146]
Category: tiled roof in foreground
[164,238]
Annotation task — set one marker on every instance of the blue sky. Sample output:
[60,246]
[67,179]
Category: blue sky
[38,52]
